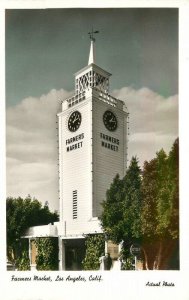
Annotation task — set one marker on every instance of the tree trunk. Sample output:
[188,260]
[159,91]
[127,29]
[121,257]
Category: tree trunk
[156,255]
[145,260]
[158,258]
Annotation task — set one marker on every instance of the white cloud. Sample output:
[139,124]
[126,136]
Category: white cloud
[32,147]
[32,141]
[153,121]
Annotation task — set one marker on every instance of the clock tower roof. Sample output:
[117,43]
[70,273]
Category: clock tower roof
[92,76]
[92,48]
[92,56]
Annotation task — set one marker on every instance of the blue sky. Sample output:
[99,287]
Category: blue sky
[44,48]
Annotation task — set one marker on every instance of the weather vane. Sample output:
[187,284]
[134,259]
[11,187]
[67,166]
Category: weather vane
[92,33]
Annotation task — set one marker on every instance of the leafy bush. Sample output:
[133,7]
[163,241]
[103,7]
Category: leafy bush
[23,263]
[47,253]
[95,248]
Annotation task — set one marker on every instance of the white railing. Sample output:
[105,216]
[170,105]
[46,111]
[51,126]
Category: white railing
[108,99]
[75,99]
[102,95]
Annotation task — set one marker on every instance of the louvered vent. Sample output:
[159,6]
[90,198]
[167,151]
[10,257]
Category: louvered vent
[75,204]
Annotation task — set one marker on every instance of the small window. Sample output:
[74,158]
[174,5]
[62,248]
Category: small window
[75,204]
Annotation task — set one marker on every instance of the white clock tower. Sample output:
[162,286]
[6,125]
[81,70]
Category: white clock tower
[92,150]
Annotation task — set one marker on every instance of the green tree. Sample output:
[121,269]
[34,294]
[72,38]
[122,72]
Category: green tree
[120,218]
[160,210]
[144,208]
[21,214]
[112,216]
[173,165]
[154,208]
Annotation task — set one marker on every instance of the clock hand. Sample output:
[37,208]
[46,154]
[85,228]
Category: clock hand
[112,121]
[75,119]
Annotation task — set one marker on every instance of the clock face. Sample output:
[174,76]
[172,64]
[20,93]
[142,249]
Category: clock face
[110,120]
[74,121]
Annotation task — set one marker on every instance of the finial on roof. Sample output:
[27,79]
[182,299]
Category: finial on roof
[92,50]
[91,34]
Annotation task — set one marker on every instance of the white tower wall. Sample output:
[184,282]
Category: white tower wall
[107,162]
[90,167]
[76,169]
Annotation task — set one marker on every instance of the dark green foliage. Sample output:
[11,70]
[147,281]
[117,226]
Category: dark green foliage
[121,210]
[173,165]
[149,190]
[21,214]
[160,210]
[127,259]
[23,262]
[109,218]
[132,201]
[47,254]
[95,247]
[144,208]
[160,196]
